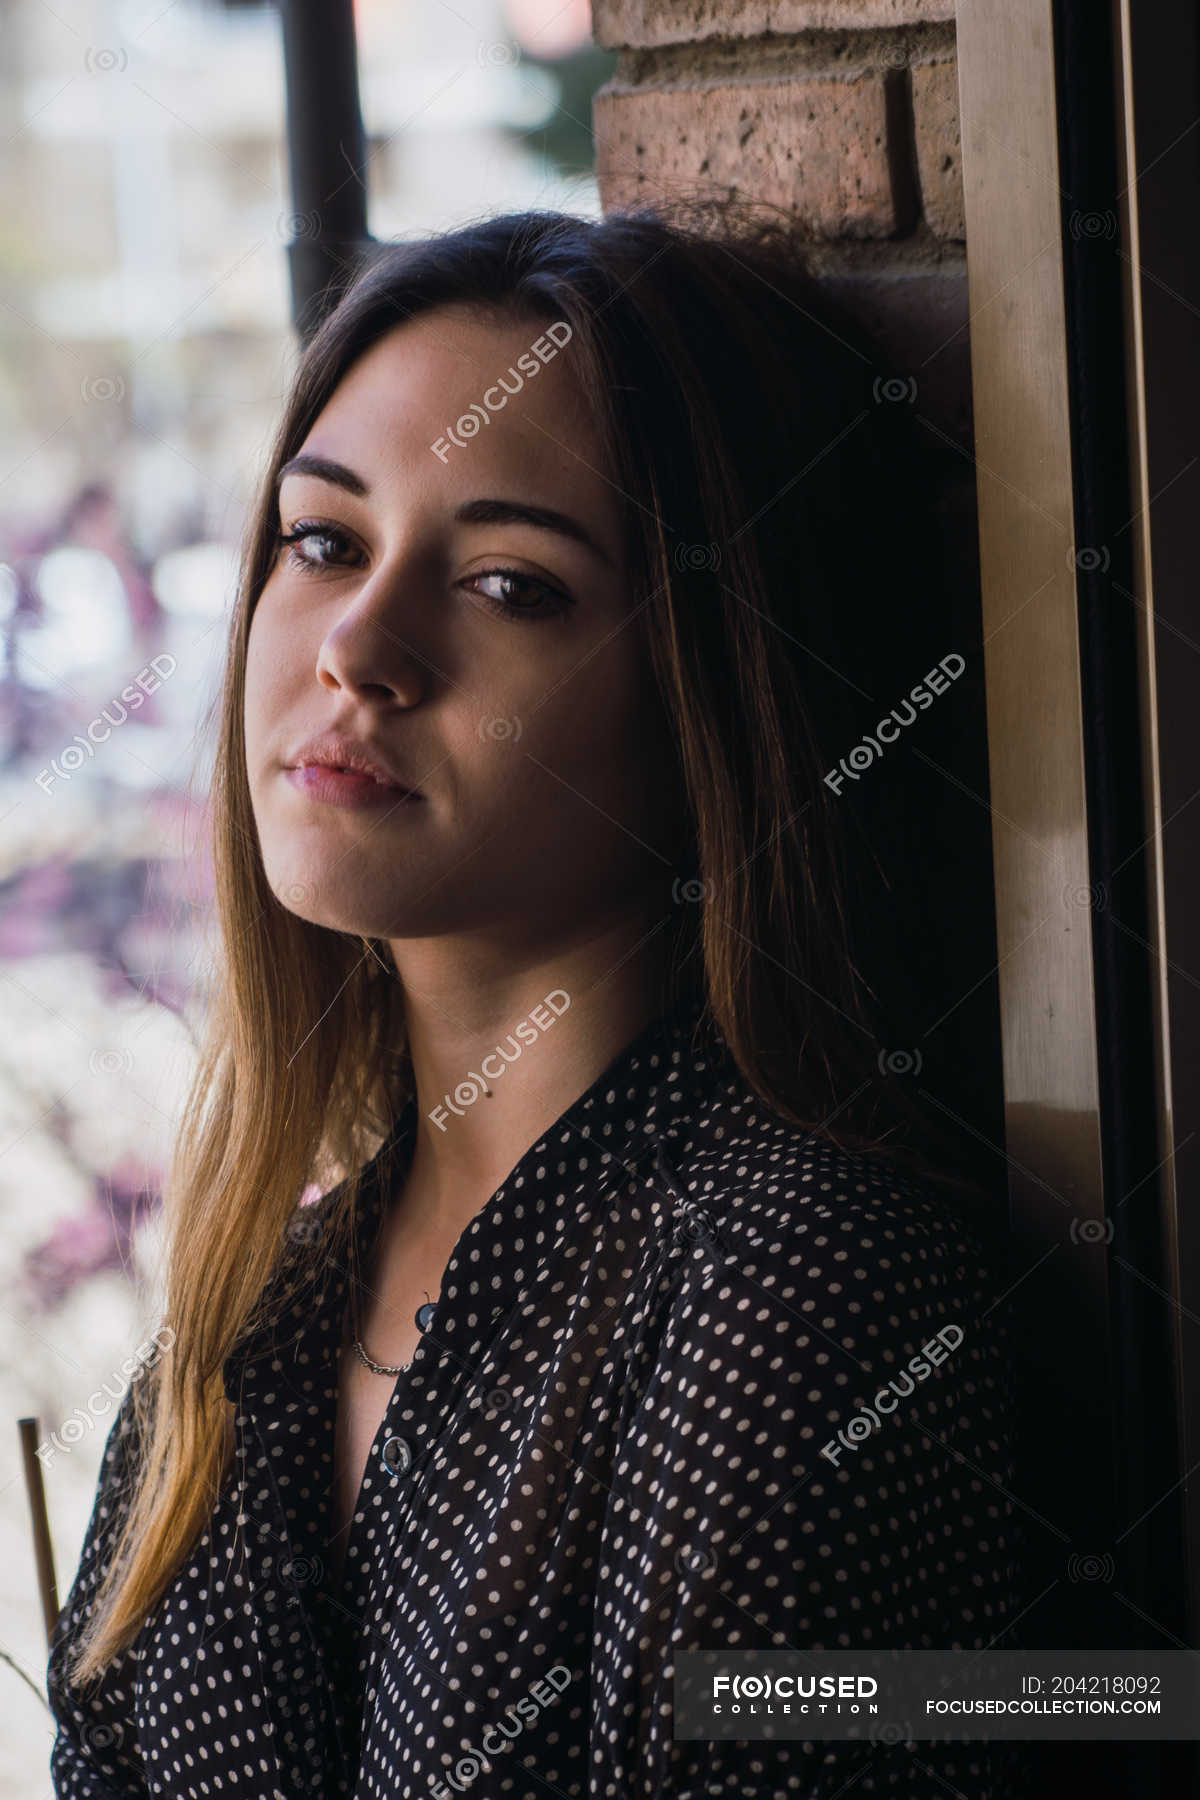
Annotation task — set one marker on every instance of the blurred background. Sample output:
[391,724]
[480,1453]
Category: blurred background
[146,323]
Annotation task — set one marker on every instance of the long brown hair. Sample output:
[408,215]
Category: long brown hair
[769,489]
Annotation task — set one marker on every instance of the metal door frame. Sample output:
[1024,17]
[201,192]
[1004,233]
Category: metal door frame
[1083,300]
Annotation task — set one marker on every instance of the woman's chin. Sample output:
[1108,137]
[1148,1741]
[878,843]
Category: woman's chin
[326,903]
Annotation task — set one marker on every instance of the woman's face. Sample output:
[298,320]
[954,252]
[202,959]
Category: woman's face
[495,662]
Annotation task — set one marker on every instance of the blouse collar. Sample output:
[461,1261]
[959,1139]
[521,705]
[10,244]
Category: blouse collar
[639,1104]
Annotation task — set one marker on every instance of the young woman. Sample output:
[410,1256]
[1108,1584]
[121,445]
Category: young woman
[536,970]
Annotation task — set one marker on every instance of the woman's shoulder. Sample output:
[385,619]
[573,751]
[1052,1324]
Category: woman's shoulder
[759,1178]
[828,1275]
[809,1246]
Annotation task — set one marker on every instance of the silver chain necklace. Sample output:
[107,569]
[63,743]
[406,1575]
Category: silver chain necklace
[378,1368]
[369,1362]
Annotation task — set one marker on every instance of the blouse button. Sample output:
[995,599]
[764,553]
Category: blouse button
[425,1315]
[397,1456]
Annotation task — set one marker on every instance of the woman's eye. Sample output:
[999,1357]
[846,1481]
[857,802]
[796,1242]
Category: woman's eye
[523,596]
[312,546]
[327,537]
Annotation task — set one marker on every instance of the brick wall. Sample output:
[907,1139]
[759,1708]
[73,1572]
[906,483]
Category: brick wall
[843,112]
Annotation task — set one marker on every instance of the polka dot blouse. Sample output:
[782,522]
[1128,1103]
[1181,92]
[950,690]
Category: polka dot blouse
[633,1426]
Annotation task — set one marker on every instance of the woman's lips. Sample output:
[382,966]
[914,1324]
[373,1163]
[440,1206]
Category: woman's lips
[348,787]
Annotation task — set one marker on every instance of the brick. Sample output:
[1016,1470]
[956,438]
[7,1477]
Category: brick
[939,152]
[817,148]
[642,24]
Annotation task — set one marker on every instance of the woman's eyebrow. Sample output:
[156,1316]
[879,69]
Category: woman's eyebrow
[471,512]
[519,512]
[325,469]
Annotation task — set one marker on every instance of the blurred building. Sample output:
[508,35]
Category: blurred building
[146,348]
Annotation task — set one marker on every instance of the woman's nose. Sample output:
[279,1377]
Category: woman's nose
[371,649]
